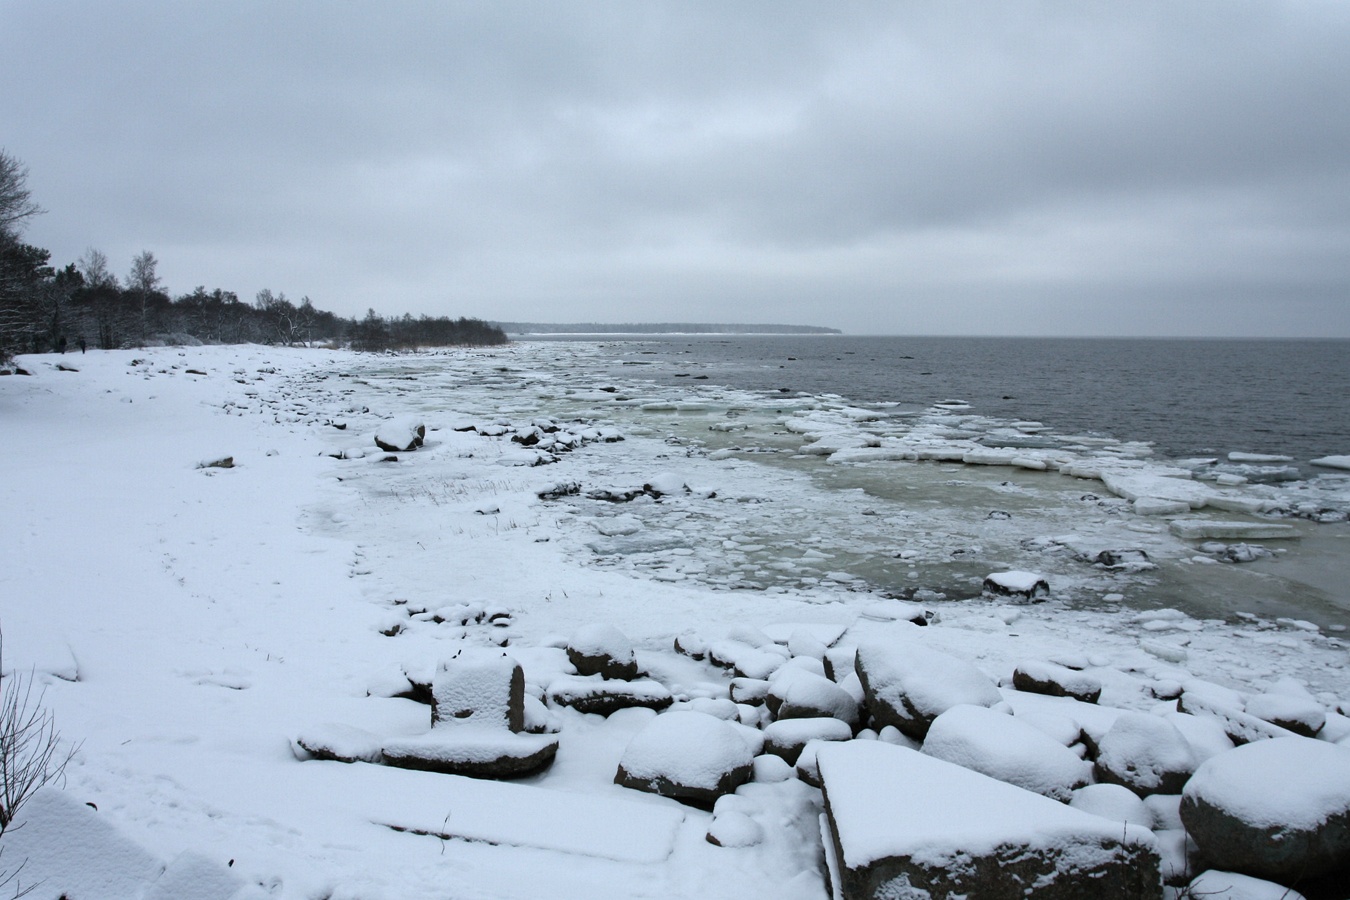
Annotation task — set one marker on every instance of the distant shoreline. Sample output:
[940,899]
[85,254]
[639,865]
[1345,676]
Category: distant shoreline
[592,328]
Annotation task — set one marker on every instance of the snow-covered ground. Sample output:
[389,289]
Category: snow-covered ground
[189,620]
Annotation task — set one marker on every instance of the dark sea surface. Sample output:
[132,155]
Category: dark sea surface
[1186,397]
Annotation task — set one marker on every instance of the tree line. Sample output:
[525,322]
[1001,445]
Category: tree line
[46,309]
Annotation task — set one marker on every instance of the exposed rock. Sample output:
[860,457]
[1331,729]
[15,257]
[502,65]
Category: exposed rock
[1276,809]
[965,834]
[690,756]
[1040,677]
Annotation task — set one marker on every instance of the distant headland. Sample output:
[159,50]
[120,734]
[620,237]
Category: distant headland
[657,328]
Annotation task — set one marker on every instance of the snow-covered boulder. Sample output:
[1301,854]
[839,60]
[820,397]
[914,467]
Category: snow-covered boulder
[1001,747]
[908,685]
[1114,802]
[1146,754]
[1289,705]
[1277,809]
[400,435]
[965,834]
[602,650]
[1026,586]
[593,694]
[800,694]
[1040,677]
[690,756]
[340,743]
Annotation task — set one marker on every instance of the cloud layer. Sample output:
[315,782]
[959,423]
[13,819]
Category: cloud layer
[1026,168]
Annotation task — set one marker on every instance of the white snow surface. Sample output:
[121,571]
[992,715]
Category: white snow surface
[185,624]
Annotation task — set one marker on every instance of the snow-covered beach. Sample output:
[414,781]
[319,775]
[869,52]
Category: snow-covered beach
[193,620]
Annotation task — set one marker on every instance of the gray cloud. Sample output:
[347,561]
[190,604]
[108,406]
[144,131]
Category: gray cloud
[1143,168]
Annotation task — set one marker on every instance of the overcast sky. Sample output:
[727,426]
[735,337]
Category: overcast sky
[1150,168]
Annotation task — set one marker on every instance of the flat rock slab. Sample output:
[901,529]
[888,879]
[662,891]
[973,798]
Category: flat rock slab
[478,752]
[903,824]
[908,685]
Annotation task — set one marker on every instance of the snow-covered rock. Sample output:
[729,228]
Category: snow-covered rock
[593,694]
[1040,677]
[805,695]
[1277,809]
[908,685]
[1114,802]
[1023,585]
[1289,705]
[1234,886]
[966,834]
[1001,747]
[787,737]
[400,435]
[603,650]
[479,686]
[477,751]
[691,756]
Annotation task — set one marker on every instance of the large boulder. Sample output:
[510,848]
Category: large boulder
[1001,747]
[690,756]
[1276,809]
[1146,754]
[902,824]
[602,650]
[908,685]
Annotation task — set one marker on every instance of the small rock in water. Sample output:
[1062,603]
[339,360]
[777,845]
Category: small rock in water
[1025,585]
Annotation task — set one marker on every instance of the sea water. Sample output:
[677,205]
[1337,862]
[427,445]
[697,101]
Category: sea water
[737,412]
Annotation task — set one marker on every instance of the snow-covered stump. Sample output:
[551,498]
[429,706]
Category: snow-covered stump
[1276,809]
[479,686]
[478,714]
[1039,677]
[903,824]
[690,756]
[908,685]
[1025,586]
[400,435]
[602,650]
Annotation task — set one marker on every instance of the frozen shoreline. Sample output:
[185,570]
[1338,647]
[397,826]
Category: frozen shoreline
[210,614]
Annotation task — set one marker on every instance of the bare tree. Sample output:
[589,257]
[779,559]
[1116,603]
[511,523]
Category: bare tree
[30,755]
[94,266]
[16,204]
[143,280]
